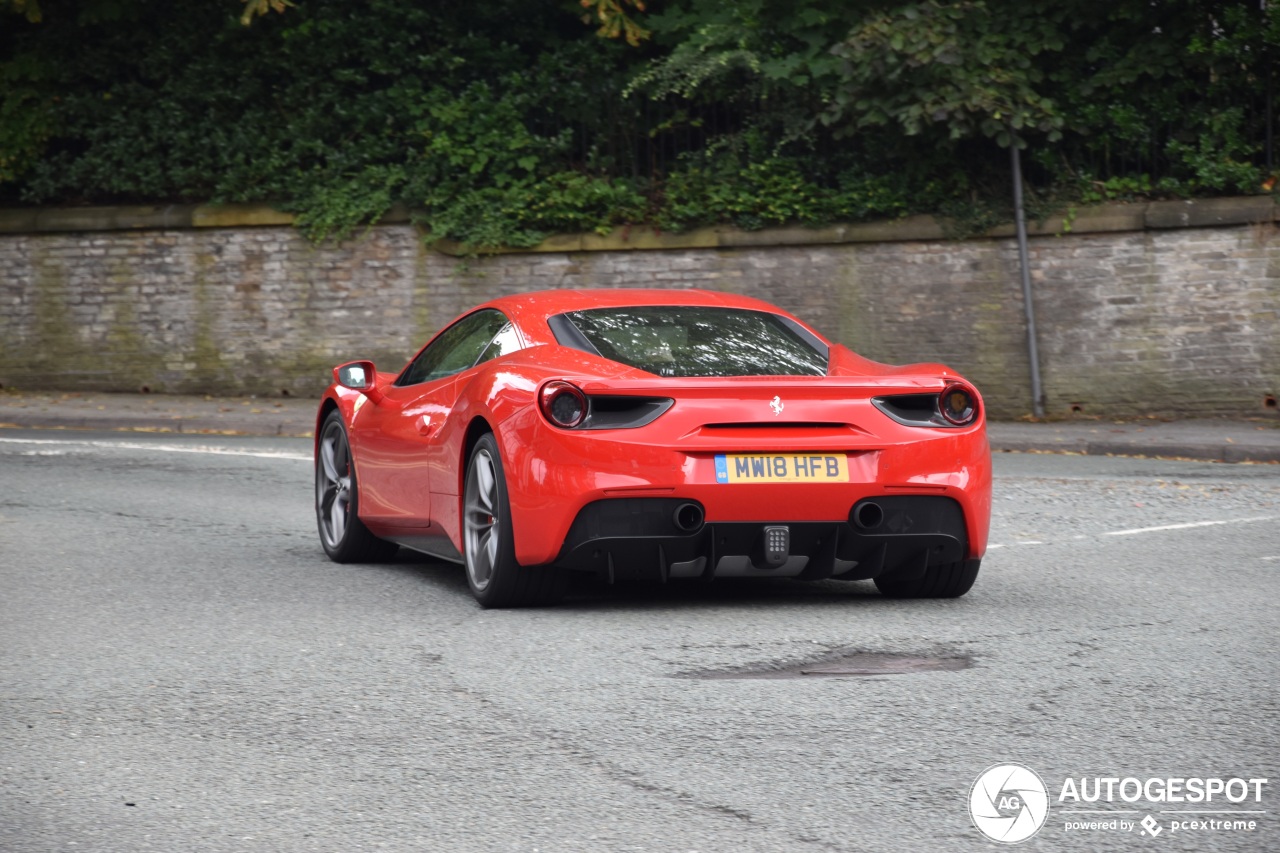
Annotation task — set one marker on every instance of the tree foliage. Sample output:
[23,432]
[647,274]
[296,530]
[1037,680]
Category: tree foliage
[615,21]
[503,122]
[258,8]
[966,66]
[29,9]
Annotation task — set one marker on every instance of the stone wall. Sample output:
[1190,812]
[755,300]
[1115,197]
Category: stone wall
[1141,309]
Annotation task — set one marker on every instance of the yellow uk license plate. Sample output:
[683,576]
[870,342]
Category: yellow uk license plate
[782,468]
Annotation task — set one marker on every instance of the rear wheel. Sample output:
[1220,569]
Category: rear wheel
[950,580]
[342,533]
[495,578]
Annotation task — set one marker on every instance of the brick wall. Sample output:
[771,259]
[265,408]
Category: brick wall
[1139,311]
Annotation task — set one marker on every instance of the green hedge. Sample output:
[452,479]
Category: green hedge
[504,122]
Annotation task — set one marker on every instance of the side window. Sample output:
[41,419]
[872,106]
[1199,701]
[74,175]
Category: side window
[504,343]
[456,349]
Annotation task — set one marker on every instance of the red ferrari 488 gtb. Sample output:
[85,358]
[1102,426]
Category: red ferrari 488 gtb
[654,434]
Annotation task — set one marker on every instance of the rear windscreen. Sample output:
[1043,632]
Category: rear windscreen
[686,341]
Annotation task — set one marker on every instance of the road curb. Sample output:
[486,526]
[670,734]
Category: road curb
[1156,450]
[1237,440]
[178,425]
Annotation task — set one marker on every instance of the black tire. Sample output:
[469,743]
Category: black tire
[951,580]
[489,553]
[342,534]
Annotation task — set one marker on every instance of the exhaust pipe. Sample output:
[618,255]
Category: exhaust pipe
[868,515]
[688,517]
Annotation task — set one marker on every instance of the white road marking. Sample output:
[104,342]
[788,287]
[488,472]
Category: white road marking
[163,448]
[1162,528]
[301,457]
[1188,525]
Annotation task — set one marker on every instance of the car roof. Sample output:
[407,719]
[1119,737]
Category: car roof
[528,308]
[531,311]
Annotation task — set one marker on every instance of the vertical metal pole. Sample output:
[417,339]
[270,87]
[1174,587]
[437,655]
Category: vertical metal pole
[1270,122]
[1266,61]
[1033,351]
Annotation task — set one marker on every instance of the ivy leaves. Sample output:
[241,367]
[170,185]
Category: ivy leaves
[959,65]
[503,122]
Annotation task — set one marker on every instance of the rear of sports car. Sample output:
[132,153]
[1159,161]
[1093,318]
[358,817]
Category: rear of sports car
[741,445]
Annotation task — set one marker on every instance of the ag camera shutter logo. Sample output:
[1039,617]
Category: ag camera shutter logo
[1008,803]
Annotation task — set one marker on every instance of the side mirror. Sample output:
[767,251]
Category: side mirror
[359,376]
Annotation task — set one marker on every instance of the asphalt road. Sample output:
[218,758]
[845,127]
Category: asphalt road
[181,669]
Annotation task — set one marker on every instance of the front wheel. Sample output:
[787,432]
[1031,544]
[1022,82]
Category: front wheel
[342,533]
[495,578]
[951,580]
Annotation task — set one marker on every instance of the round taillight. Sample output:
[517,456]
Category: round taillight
[958,404]
[563,404]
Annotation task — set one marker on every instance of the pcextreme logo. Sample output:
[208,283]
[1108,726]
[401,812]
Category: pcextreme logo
[1009,803]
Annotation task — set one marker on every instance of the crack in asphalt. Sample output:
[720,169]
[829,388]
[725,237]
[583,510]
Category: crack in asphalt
[591,760]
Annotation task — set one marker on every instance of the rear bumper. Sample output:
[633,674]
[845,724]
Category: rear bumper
[896,536]
[554,475]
